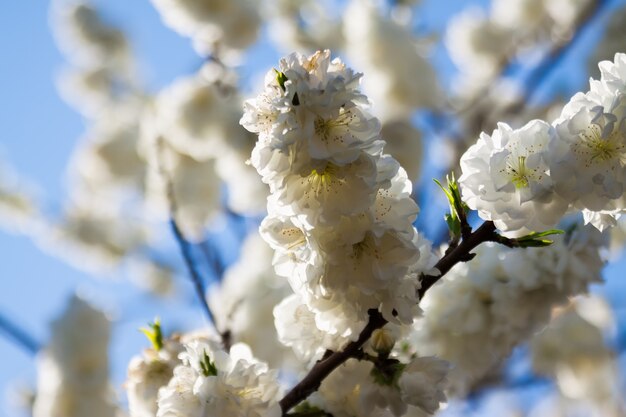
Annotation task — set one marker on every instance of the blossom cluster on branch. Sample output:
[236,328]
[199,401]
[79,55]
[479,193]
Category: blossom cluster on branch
[526,179]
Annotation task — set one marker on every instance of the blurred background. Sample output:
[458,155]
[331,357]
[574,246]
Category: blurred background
[81,213]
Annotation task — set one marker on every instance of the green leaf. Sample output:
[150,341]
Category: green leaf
[281,78]
[208,368]
[534,239]
[454,225]
[535,235]
[540,243]
[447,193]
[154,334]
[458,208]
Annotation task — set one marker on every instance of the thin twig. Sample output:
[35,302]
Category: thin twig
[18,335]
[186,250]
[331,360]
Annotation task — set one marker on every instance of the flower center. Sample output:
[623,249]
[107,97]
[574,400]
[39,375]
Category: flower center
[326,129]
[593,148]
[322,180]
[519,173]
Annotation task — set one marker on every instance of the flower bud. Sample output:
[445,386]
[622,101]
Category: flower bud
[382,341]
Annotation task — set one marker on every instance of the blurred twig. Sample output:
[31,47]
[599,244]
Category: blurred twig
[186,250]
[18,335]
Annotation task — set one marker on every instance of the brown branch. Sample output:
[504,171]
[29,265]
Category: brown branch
[331,360]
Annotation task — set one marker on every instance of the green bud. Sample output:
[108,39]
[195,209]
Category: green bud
[281,78]
[154,334]
[208,368]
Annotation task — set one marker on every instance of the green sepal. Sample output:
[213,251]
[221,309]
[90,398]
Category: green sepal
[208,368]
[154,334]
[387,373]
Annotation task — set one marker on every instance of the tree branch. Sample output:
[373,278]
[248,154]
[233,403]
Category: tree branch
[196,279]
[185,249]
[15,333]
[331,360]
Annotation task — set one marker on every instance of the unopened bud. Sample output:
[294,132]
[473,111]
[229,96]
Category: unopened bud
[382,341]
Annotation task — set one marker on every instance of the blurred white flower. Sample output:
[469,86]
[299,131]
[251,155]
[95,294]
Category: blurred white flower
[73,370]
[501,298]
[398,77]
[217,27]
[85,37]
[147,373]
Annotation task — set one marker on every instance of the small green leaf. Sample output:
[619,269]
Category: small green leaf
[281,78]
[535,235]
[208,368]
[458,209]
[454,225]
[447,193]
[154,334]
[540,243]
[534,239]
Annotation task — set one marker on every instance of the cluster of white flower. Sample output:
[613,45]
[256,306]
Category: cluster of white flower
[340,220]
[99,53]
[218,27]
[584,368]
[212,382]
[304,25]
[73,374]
[340,215]
[500,298]
[528,178]
[197,118]
[481,43]
[353,390]
[376,44]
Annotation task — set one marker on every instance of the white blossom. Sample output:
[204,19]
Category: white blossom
[213,382]
[147,373]
[422,383]
[588,159]
[506,177]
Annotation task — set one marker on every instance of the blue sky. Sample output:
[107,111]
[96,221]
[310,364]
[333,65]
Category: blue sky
[38,134]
